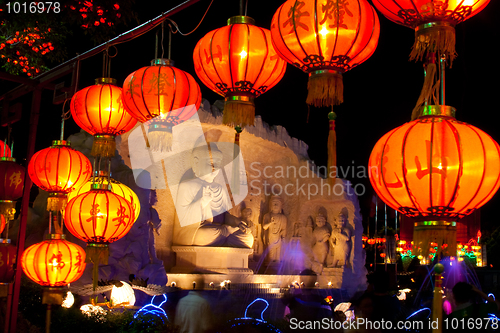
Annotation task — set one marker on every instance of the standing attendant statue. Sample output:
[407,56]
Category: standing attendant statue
[321,235]
[340,242]
[274,223]
[246,218]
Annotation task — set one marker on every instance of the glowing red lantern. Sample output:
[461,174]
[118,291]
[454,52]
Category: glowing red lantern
[382,255]
[59,170]
[53,264]
[99,217]
[164,94]
[116,187]
[99,110]
[435,167]
[11,185]
[4,150]
[434,22]
[8,254]
[325,39]
[2,223]
[239,62]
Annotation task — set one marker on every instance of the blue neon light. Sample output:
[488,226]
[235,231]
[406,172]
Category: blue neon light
[418,311]
[262,313]
[153,309]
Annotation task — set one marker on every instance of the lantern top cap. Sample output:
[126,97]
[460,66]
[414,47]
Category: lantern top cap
[7,159]
[105,80]
[101,173]
[105,187]
[5,241]
[240,20]
[162,62]
[61,143]
[55,236]
[438,110]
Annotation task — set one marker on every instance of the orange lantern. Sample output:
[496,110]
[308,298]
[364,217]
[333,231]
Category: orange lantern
[325,39]
[99,217]
[239,62]
[436,170]
[4,150]
[11,185]
[434,22]
[53,264]
[59,170]
[2,223]
[435,167]
[8,255]
[99,110]
[164,94]
[116,187]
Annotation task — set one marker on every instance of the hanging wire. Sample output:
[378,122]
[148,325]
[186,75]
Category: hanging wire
[64,116]
[162,37]
[186,34]
[246,7]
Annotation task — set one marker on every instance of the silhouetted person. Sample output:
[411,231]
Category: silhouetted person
[193,313]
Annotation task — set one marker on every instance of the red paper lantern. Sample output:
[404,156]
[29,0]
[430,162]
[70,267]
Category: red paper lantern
[2,223]
[59,170]
[99,110]
[11,185]
[164,94]
[239,62]
[435,168]
[8,254]
[325,39]
[4,150]
[434,22]
[53,264]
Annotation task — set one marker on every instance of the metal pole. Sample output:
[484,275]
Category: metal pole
[375,233]
[442,65]
[385,247]
[35,112]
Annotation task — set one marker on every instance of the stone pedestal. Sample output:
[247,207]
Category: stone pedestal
[225,260]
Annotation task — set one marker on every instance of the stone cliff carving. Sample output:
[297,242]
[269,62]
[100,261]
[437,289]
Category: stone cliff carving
[274,223]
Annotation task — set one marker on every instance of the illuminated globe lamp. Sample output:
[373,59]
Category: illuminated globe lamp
[433,21]
[162,97]
[435,170]
[59,170]
[11,186]
[99,110]
[325,39]
[238,62]
[99,217]
[116,187]
[8,254]
[53,264]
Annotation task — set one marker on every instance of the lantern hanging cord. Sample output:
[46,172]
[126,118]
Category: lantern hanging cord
[64,116]
[188,33]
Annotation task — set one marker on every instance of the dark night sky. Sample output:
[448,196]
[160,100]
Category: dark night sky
[379,94]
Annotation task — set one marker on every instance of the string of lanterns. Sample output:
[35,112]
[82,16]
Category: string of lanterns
[434,168]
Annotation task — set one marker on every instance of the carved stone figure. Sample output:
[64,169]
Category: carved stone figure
[321,235]
[202,205]
[246,218]
[275,223]
[340,242]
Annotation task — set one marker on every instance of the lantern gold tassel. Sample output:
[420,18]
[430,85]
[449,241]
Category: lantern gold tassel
[239,110]
[56,202]
[438,37]
[160,137]
[325,88]
[428,95]
[104,146]
[96,253]
[332,150]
